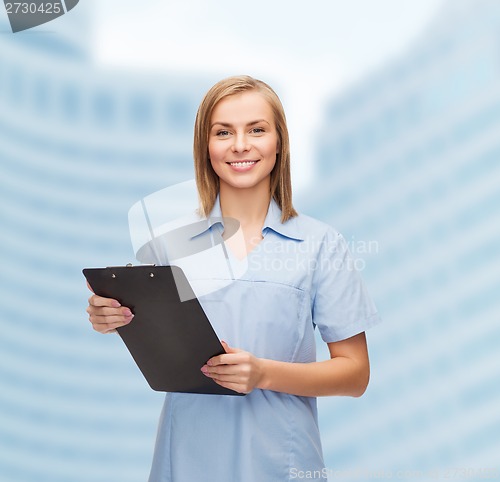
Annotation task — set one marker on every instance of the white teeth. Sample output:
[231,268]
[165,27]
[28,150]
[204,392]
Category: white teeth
[241,164]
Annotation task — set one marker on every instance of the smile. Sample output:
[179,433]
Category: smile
[242,163]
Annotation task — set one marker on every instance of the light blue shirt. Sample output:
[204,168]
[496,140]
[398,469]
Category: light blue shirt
[299,277]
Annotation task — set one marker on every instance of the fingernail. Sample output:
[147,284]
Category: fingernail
[116,304]
[204,369]
[127,312]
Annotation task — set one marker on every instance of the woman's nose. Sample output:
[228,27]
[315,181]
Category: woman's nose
[240,143]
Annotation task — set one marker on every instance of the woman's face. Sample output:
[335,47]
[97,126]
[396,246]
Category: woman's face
[243,141]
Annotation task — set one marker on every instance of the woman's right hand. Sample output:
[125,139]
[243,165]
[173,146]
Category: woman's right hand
[107,314]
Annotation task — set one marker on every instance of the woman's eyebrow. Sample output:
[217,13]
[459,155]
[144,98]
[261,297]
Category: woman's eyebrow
[226,124]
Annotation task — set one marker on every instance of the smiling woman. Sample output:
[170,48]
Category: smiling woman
[248,116]
[243,142]
[267,314]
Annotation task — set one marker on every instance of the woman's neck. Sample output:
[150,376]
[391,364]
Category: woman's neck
[248,206]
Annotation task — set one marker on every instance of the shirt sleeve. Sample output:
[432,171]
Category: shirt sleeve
[341,305]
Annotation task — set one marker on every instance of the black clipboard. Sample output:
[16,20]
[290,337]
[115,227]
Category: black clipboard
[169,339]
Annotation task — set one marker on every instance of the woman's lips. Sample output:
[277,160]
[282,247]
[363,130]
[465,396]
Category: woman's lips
[241,166]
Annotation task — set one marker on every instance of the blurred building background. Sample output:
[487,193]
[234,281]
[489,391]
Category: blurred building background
[408,169]
[78,146]
[409,164]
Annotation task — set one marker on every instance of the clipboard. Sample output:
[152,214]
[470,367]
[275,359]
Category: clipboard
[169,339]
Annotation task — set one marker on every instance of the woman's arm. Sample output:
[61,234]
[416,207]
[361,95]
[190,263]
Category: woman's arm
[346,373]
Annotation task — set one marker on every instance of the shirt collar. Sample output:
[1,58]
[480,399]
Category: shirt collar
[289,229]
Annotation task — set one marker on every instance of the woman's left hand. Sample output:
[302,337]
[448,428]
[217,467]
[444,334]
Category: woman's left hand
[237,370]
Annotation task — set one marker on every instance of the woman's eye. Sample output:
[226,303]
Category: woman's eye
[257,130]
[222,133]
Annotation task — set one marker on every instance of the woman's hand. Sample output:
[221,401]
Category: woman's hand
[346,373]
[237,370]
[107,314]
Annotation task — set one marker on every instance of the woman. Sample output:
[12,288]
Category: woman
[299,275]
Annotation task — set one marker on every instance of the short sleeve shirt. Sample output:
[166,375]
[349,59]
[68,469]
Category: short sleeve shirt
[299,277]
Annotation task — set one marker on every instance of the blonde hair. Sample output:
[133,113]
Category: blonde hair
[207,180]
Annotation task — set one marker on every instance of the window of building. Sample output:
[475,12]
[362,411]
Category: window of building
[70,102]
[141,111]
[179,113]
[104,107]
